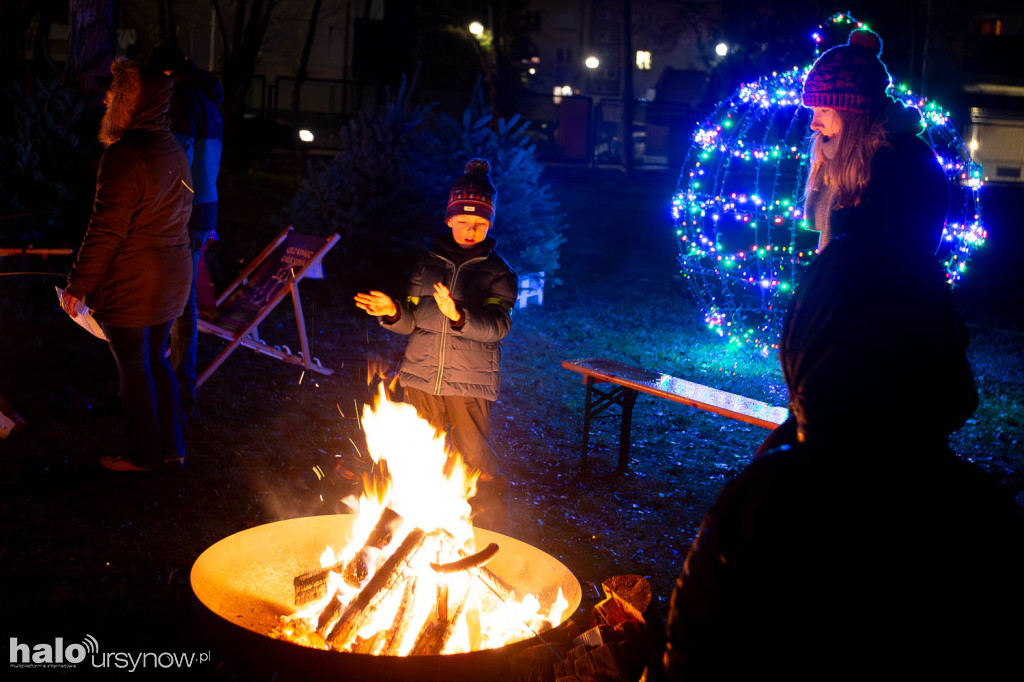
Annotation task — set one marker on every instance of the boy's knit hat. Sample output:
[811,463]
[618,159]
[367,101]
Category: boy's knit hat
[473,193]
[849,77]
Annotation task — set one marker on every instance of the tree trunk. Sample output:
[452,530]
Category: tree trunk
[627,87]
[241,47]
[91,41]
[301,73]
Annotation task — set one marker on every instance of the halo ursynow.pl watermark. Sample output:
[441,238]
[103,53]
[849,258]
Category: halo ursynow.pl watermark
[60,655]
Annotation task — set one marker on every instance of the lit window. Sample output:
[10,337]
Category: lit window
[643,60]
[991,27]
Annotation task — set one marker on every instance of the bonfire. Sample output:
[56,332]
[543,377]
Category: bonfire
[411,579]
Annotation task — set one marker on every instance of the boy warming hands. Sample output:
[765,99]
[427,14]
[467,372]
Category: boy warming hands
[456,312]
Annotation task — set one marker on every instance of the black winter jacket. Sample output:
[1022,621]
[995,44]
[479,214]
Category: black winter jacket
[907,197]
[464,360]
[824,564]
[134,267]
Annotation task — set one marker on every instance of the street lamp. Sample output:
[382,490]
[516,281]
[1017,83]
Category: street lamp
[592,62]
[476,28]
[721,49]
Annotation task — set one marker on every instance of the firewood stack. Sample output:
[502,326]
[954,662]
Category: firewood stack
[338,625]
[607,643]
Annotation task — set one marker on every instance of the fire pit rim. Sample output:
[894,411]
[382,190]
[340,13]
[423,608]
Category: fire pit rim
[216,582]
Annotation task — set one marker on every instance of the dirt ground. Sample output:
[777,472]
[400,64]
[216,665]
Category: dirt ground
[85,552]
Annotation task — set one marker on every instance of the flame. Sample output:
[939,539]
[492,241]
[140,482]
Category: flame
[416,476]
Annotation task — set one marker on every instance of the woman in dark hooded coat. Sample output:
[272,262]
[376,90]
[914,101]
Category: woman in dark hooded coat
[871,174]
[134,267]
[867,548]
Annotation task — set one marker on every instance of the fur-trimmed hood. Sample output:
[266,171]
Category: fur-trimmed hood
[138,99]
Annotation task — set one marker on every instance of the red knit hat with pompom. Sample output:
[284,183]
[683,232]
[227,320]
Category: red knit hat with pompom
[473,193]
[849,77]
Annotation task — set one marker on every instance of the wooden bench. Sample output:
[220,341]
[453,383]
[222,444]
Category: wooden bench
[630,381]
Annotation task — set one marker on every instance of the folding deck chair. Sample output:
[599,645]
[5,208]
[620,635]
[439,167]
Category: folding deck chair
[264,283]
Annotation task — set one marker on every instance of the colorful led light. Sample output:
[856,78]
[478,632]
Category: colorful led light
[752,158]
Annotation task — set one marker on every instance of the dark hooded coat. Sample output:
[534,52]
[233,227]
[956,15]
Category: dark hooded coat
[461,360]
[869,545]
[907,195]
[134,267]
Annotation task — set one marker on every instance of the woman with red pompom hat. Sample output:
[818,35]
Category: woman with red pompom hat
[872,177]
[870,172]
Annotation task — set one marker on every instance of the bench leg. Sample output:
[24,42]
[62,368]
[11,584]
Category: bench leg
[586,418]
[628,400]
[596,402]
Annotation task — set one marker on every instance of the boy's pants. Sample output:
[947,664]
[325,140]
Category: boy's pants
[467,421]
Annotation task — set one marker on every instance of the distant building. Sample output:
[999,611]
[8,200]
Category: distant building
[993,84]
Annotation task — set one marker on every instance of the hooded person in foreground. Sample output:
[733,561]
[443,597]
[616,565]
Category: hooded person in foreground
[134,268]
[868,547]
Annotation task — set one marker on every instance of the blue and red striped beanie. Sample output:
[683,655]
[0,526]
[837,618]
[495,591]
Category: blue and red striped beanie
[473,193]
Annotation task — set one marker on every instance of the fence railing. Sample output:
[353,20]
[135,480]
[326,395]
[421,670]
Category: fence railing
[575,129]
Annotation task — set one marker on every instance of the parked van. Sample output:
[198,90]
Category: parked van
[996,140]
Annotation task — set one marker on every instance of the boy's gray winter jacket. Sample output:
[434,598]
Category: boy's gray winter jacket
[456,360]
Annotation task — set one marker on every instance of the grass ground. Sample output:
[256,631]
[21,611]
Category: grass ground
[85,552]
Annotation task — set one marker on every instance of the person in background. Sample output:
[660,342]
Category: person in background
[197,124]
[457,311]
[868,545]
[134,266]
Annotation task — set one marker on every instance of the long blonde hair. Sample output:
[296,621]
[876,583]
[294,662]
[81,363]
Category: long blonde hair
[849,169]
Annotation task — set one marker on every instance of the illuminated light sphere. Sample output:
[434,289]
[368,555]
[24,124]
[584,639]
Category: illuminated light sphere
[476,28]
[592,62]
[721,49]
[306,135]
[738,208]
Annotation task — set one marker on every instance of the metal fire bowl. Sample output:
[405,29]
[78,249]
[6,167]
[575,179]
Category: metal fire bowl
[243,583]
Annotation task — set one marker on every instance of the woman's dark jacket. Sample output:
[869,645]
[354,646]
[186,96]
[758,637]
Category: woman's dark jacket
[465,359]
[829,563]
[134,267]
[907,196]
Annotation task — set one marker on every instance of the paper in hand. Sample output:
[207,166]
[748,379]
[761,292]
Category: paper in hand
[84,317]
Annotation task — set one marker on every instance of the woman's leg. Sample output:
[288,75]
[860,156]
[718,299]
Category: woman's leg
[130,346]
[170,415]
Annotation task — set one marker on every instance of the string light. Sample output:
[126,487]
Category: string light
[738,209]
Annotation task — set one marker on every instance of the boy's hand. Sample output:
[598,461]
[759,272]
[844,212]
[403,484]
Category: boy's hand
[445,302]
[377,303]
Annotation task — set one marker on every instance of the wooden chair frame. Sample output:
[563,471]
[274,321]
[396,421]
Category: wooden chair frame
[249,335]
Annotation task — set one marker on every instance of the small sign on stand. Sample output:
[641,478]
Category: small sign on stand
[531,286]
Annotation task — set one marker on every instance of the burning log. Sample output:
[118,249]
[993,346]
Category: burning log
[311,586]
[468,562]
[402,622]
[438,628]
[340,630]
[501,589]
[379,538]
